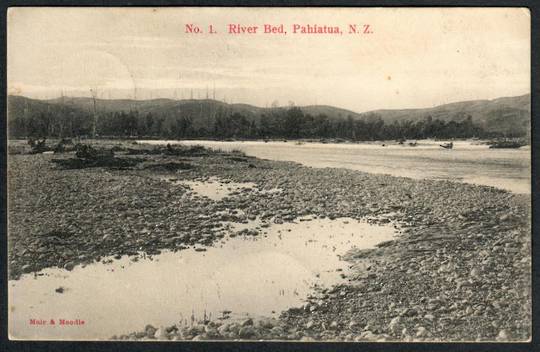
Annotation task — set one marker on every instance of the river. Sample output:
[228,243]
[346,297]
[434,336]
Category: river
[469,161]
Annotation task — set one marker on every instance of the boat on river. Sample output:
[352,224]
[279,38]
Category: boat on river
[447,145]
[506,144]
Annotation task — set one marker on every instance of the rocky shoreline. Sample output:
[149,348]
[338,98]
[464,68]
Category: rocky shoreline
[460,271]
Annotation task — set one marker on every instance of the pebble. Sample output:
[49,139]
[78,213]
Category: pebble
[150,331]
[421,332]
[394,324]
[69,266]
[247,322]
[503,336]
[160,334]
[246,332]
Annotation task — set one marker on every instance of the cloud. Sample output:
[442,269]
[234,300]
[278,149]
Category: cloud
[465,54]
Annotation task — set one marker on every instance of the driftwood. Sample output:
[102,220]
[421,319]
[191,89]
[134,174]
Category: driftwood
[38,146]
[85,151]
[65,144]
[88,156]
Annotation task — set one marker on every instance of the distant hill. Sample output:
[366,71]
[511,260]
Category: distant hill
[497,115]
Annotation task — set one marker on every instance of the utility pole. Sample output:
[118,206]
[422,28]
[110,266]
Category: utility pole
[213,107]
[93,92]
[176,88]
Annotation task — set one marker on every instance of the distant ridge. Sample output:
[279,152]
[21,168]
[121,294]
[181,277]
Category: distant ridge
[483,112]
[497,115]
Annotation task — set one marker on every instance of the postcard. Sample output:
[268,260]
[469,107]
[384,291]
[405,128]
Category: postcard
[280,174]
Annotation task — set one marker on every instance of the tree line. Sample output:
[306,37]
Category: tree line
[289,123]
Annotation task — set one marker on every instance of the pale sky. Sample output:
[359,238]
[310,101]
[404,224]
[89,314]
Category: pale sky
[417,57]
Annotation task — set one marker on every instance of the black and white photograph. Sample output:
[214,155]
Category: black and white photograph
[269,174]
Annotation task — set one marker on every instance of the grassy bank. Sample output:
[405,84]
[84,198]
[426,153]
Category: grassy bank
[460,270]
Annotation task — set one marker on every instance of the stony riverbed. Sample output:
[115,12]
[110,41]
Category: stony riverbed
[459,271]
